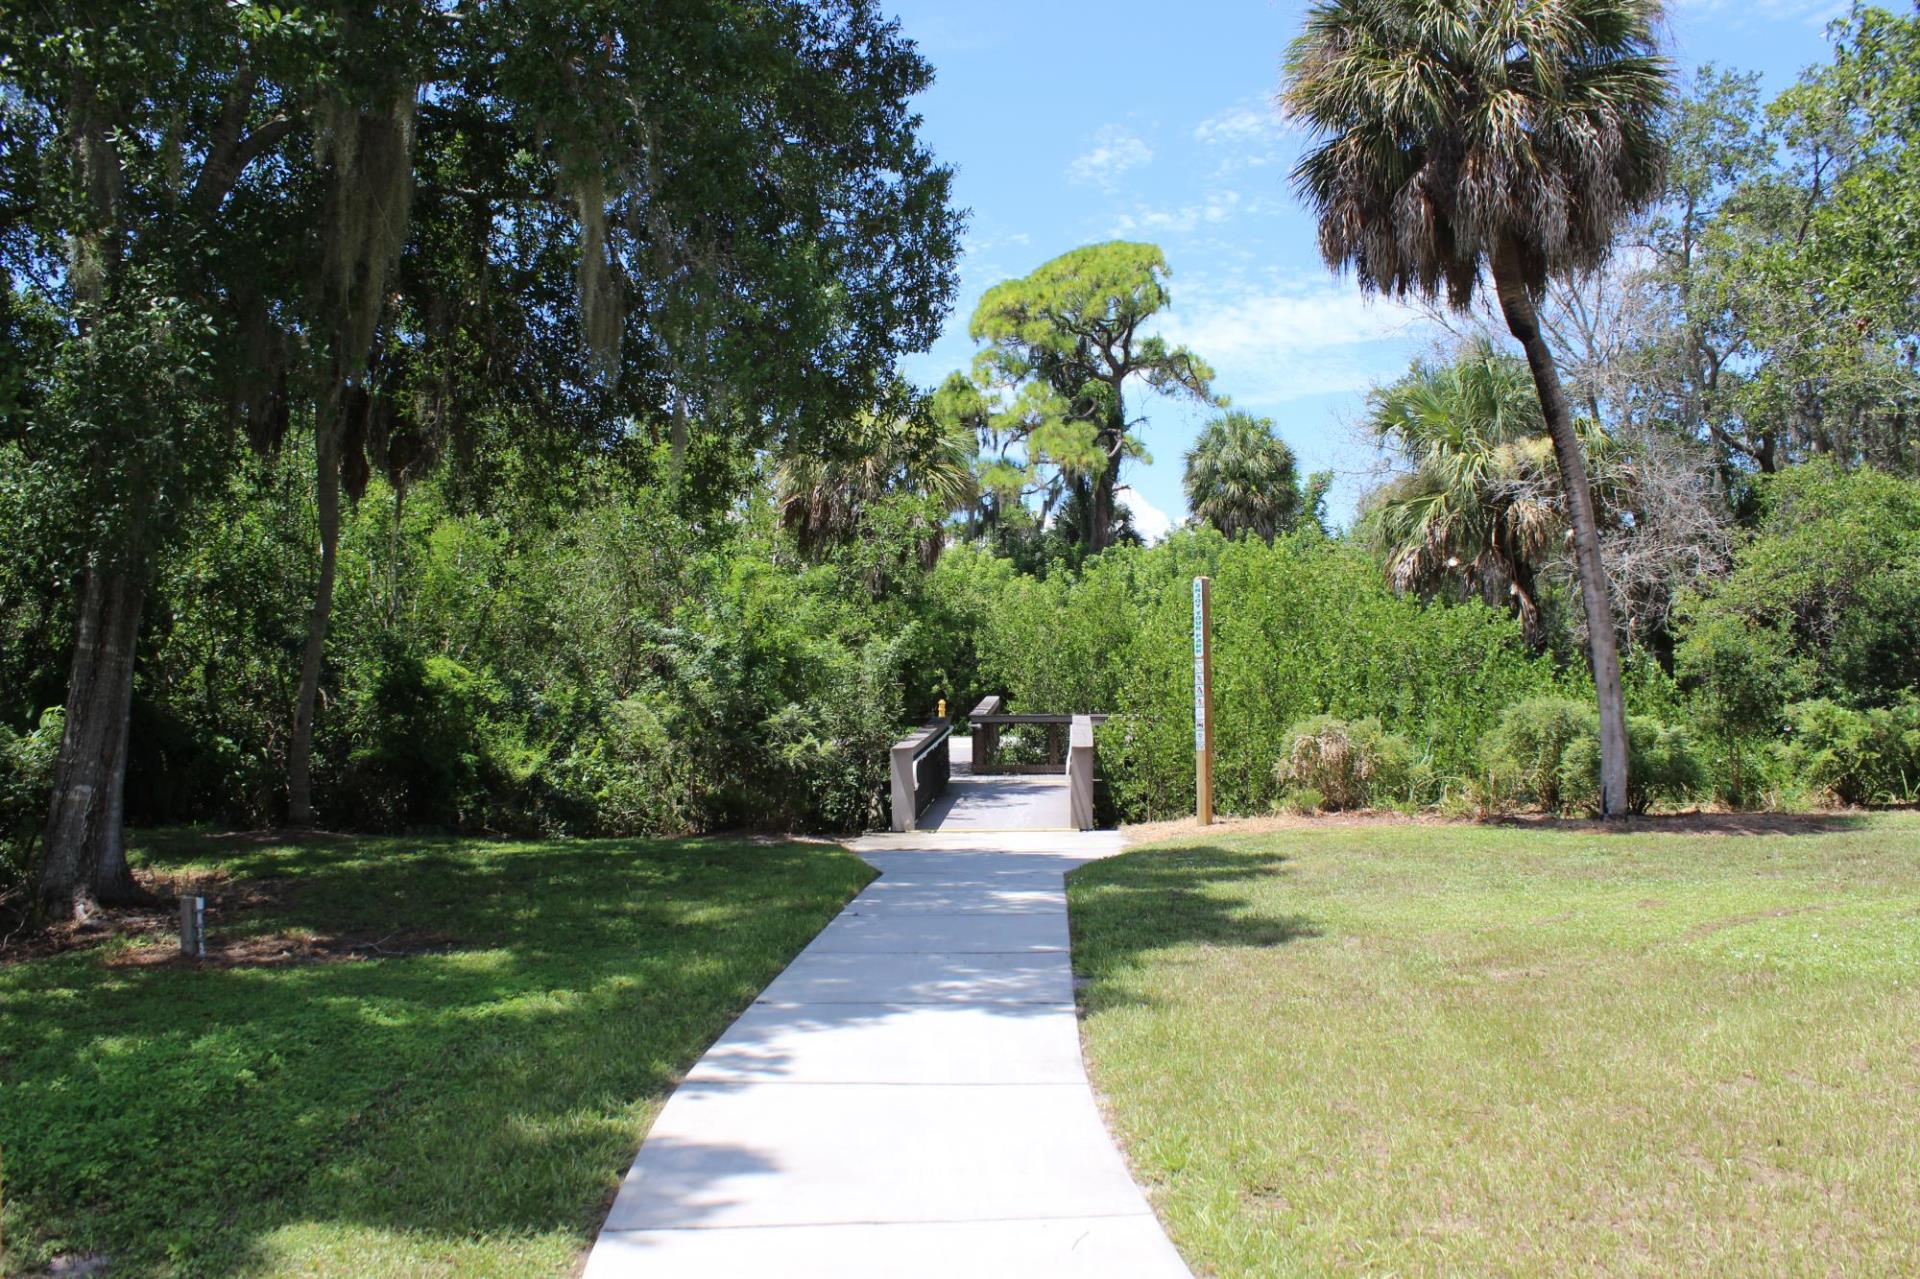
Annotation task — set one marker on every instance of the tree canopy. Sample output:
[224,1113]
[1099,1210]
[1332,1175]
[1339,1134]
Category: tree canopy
[716,227]
[1048,390]
[1506,140]
[1241,477]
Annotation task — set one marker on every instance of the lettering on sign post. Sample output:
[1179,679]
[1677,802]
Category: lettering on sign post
[1203,699]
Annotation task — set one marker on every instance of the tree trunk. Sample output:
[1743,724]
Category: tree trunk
[1113,444]
[1100,510]
[86,855]
[1522,316]
[1526,605]
[326,451]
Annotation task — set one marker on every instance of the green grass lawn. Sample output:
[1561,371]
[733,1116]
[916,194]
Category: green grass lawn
[1411,1050]
[448,1083]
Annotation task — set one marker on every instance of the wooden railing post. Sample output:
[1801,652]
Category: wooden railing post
[919,768]
[986,736]
[904,816]
[1080,764]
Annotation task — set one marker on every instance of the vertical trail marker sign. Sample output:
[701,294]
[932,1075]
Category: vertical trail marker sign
[1203,698]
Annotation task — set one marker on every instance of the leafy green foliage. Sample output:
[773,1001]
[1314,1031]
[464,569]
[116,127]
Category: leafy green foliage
[1241,477]
[1303,627]
[599,660]
[1824,597]
[1478,511]
[1661,766]
[1852,756]
[1783,317]
[26,777]
[1546,751]
[435,1055]
[1047,392]
[1331,763]
[1446,135]
[1526,755]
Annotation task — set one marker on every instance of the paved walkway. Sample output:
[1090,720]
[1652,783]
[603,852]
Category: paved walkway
[905,1100]
[998,802]
[1001,804]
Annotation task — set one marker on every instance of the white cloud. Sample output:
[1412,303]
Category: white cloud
[1149,521]
[1250,134]
[1114,152]
[1218,207]
[1240,123]
[1285,339]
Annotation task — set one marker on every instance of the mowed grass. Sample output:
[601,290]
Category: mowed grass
[465,1109]
[1423,1050]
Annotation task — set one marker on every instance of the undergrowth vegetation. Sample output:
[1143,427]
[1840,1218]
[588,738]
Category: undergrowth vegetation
[402,1056]
[614,665]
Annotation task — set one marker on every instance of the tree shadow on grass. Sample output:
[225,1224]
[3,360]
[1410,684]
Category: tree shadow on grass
[1695,823]
[1159,898]
[491,1091]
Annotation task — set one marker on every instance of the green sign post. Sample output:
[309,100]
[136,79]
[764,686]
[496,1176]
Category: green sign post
[1203,698]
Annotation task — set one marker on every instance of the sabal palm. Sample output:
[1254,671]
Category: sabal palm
[1241,477]
[825,497]
[1462,138]
[1479,508]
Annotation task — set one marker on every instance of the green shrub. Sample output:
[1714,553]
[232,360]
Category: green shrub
[638,778]
[1356,764]
[26,779]
[1661,765]
[1547,752]
[1850,756]
[1526,755]
[1303,801]
[428,749]
[1828,588]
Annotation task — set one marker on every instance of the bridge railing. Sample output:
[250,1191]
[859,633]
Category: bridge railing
[1080,772]
[991,716]
[921,765]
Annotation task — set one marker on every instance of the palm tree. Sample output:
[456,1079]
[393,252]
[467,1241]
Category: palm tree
[826,498]
[1241,476]
[1479,509]
[1462,138]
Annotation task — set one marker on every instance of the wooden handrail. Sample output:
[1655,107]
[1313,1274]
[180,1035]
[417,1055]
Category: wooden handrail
[920,768]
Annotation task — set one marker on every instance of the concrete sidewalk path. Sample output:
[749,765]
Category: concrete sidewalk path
[905,1100]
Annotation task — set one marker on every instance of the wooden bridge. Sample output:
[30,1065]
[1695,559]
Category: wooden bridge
[948,782]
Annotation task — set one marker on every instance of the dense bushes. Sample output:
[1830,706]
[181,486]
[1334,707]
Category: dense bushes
[1546,752]
[1331,763]
[1304,627]
[1817,625]
[607,660]
[1850,756]
[26,773]
[601,660]
[1526,756]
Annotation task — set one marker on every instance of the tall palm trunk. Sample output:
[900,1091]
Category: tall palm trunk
[326,450]
[86,855]
[1523,319]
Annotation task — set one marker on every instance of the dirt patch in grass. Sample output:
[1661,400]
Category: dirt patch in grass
[278,950]
[1734,921]
[155,915]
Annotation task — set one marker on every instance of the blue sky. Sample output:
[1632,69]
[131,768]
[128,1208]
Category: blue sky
[1070,122]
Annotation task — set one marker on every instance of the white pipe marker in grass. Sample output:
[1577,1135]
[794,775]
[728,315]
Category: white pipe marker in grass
[193,927]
